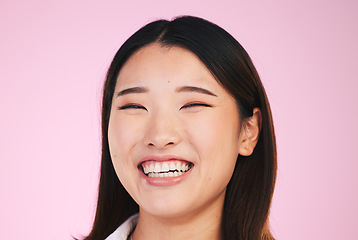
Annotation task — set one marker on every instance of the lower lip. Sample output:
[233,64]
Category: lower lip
[164,181]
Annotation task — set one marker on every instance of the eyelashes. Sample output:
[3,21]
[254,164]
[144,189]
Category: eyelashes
[137,106]
[132,106]
[189,105]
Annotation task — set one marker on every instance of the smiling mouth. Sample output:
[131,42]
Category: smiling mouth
[170,168]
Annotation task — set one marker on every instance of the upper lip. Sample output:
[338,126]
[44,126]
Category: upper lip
[161,158]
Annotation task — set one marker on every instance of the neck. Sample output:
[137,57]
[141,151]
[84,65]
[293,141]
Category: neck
[204,224]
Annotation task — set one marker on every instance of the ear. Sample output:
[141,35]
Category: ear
[250,132]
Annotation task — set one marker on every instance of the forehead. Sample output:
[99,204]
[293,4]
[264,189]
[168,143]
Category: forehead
[154,62]
[158,52]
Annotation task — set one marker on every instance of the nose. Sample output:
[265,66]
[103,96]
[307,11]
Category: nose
[162,131]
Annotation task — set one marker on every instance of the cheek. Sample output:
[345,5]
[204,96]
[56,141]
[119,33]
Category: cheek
[216,141]
[116,138]
[216,133]
[123,132]
[121,139]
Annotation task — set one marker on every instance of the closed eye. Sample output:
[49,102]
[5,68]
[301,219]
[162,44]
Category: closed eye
[131,106]
[189,105]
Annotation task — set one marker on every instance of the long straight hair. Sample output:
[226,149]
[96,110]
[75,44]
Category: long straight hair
[249,192]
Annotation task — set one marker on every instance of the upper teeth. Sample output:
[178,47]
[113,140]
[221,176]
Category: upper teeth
[165,167]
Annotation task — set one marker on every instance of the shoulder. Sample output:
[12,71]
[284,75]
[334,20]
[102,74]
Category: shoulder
[122,232]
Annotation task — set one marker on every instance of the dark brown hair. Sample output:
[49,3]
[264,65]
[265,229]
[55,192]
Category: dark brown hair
[249,192]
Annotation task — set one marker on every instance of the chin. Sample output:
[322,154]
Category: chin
[167,208]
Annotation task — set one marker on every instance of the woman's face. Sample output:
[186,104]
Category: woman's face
[174,132]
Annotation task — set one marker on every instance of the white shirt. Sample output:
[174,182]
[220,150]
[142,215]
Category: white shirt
[122,232]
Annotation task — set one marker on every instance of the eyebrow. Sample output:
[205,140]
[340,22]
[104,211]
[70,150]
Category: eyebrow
[195,89]
[178,90]
[132,90]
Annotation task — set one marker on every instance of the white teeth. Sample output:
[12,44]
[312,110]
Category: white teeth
[182,167]
[172,166]
[157,167]
[165,169]
[177,165]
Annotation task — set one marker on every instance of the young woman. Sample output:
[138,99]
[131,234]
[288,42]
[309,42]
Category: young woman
[188,147]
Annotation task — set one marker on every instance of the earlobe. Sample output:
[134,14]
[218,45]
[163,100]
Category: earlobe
[250,133]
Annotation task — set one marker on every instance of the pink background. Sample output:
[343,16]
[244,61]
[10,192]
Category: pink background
[53,59]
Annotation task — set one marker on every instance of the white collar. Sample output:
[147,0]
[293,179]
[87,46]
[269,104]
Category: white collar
[122,232]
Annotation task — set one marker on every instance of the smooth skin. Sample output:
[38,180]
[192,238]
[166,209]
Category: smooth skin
[166,102]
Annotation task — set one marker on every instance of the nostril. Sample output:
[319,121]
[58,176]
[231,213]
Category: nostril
[169,143]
